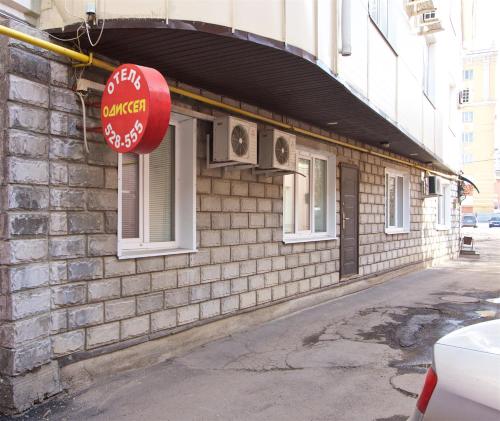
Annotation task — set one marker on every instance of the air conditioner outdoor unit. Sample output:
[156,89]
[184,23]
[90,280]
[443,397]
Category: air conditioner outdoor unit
[277,150]
[235,140]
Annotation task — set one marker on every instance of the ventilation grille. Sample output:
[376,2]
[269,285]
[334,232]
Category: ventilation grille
[282,150]
[239,140]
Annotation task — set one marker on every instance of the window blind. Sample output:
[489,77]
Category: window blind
[162,190]
[130,196]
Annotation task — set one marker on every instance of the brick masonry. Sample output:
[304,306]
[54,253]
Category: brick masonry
[63,290]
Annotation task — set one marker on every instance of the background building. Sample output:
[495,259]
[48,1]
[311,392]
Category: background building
[105,254]
[478,104]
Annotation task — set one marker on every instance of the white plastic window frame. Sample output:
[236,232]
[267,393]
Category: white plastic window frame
[185,198]
[467,137]
[467,116]
[405,229]
[331,184]
[444,191]
[468,74]
[467,158]
[465,95]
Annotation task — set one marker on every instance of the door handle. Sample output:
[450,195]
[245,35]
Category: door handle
[345,218]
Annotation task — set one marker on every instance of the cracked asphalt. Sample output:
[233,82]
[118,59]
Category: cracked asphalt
[359,357]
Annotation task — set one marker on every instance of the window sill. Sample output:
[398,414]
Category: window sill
[442,228]
[308,239]
[397,231]
[137,253]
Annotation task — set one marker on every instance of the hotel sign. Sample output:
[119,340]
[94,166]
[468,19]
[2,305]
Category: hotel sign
[135,109]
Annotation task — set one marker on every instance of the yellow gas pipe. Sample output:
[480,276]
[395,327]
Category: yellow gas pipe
[101,64]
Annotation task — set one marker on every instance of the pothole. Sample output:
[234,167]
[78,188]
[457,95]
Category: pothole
[459,299]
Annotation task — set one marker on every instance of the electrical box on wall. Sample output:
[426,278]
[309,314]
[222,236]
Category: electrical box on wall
[431,185]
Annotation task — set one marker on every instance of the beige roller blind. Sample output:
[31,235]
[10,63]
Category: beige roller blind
[162,190]
[130,196]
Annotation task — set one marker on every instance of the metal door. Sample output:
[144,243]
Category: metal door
[349,220]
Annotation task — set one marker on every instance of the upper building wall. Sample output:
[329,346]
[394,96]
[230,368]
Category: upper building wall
[390,72]
[481,67]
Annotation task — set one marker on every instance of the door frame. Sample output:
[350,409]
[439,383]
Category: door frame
[341,211]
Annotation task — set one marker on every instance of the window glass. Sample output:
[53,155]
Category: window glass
[430,70]
[320,195]
[308,198]
[157,207]
[467,137]
[468,74]
[383,18]
[303,195]
[467,158]
[162,190]
[443,205]
[397,211]
[400,201]
[467,116]
[288,204]
[373,10]
[391,200]
[465,95]
[130,195]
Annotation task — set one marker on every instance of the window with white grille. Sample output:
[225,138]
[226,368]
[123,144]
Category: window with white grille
[443,205]
[429,15]
[465,96]
[468,74]
[467,158]
[467,137]
[384,16]
[429,71]
[309,198]
[397,202]
[467,116]
[156,205]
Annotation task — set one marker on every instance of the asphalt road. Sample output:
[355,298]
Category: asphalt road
[359,357]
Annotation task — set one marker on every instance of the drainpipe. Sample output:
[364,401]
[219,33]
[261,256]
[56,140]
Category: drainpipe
[345,26]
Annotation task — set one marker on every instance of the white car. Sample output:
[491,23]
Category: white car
[464,380]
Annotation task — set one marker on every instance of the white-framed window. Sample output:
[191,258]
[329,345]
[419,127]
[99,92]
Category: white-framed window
[157,195]
[397,201]
[382,14]
[429,71]
[467,137]
[427,16]
[443,205]
[467,116]
[468,74]
[379,12]
[465,96]
[467,158]
[309,199]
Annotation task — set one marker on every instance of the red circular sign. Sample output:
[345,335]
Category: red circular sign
[135,109]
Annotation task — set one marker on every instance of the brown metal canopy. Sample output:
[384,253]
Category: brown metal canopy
[256,70]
